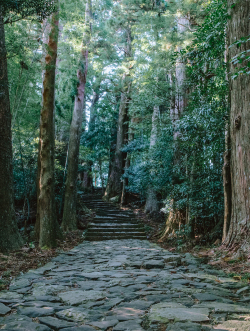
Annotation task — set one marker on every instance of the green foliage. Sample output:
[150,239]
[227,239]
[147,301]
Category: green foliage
[201,143]
[187,170]
[186,161]
[20,9]
[183,234]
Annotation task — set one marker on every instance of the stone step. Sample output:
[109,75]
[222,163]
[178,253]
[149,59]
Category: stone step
[116,225]
[117,233]
[102,213]
[112,223]
[117,230]
[94,204]
[116,221]
[114,217]
[115,237]
[101,205]
[118,215]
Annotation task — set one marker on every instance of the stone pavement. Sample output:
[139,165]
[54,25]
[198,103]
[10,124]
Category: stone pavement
[125,285]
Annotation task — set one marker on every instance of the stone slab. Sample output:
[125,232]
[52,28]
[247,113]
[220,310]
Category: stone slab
[55,323]
[234,325]
[128,325]
[220,307]
[77,297]
[35,311]
[73,314]
[25,326]
[4,309]
[163,313]
[104,325]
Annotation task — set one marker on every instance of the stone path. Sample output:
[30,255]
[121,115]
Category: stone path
[124,285]
[111,222]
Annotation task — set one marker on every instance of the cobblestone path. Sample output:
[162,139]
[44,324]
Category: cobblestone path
[124,285]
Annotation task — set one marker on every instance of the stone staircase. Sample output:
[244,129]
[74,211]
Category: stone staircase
[111,222]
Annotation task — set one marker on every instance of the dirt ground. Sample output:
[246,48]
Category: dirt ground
[32,257]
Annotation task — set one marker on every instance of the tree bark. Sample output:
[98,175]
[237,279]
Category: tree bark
[125,181]
[227,185]
[115,185]
[87,179]
[238,237]
[178,103]
[124,196]
[69,222]
[92,118]
[37,225]
[10,238]
[46,200]
[112,148]
[152,204]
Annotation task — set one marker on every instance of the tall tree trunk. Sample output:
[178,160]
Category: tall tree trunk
[10,238]
[115,185]
[227,185]
[112,148]
[178,104]
[152,204]
[37,225]
[70,201]
[46,200]
[101,176]
[92,118]
[125,181]
[87,182]
[124,196]
[238,237]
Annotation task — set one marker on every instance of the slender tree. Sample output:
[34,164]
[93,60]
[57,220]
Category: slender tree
[11,11]
[152,204]
[46,200]
[238,236]
[69,212]
[125,181]
[227,185]
[112,148]
[87,179]
[114,185]
[178,104]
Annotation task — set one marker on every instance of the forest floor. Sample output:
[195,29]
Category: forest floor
[31,256]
